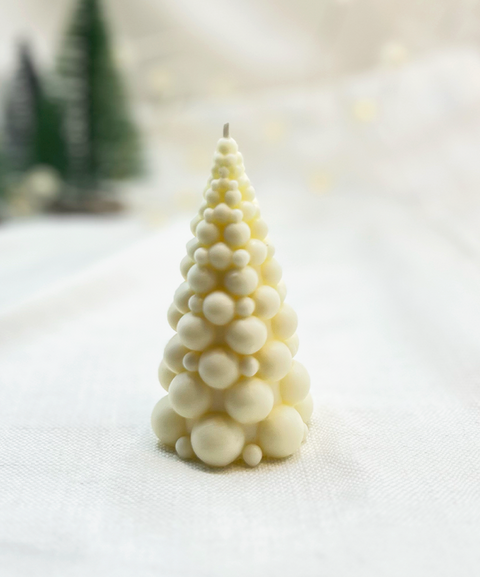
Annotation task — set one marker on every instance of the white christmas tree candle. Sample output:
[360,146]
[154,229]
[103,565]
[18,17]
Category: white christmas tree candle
[234,389]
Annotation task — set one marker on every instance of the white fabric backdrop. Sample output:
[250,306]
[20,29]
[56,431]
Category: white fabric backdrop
[389,480]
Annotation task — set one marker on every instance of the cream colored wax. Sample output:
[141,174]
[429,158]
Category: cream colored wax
[234,388]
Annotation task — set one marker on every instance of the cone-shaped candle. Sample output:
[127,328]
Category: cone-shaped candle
[234,389]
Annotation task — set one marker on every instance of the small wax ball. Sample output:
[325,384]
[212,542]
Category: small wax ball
[233,198]
[257,250]
[201,256]
[195,304]
[174,353]
[224,183]
[218,368]
[185,265]
[203,206]
[189,397]
[173,316]
[201,280]
[249,210]
[218,308]
[212,197]
[282,290]
[181,296]
[165,375]
[223,173]
[295,385]
[271,272]
[243,182]
[220,256]
[281,433]
[267,302]
[167,425]
[246,336]
[275,361]
[270,248]
[292,343]
[217,440]
[249,193]
[208,215]
[190,361]
[249,401]
[241,282]
[245,307]
[221,213]
[252,455]
[184,448]
[236,215]
[215,184]
[227,146]
[192,246]
[194,223]
[241,258]
[249,366]
[305,408]
[237,234]
[259,228]
[207,233]
[284,323]
[195,333]
[233,185]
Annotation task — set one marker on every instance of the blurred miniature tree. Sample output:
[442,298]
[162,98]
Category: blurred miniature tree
[102,140]
[32,122]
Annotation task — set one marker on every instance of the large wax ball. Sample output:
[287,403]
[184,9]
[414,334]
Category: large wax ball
[271,272]
[249,401]
[195,333]
[189,397]
[166,423]
[285,322]
[292,343]
[181,296]
[257,250]
[185,265]
[207,233]
[241,282]
[218,308]
[218,368]
[233,198]
[174,352]
[237,234]
[173,316]
[165,375]
[217,440]
[220,256]
[267,302]
[201,280]
[295,384]
[275,361]
[246,336]
[305,408]
[281,433]
[222,213]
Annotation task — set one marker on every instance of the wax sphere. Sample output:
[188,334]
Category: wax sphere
[305,408]
[190,361]
[217,440]
[189,397]
[218,368]
[185,265]
[181,296]
[201,280]
[259,228]
[271,272]
[194,223]
[173,316]
[284,323]
[249,210]
[200,256]
[275,361]
[249,193]
[165,375]
[241,258]
[252,455]
[167,425]
[244,307]
[249,401]
[208,215]
[233,198]
[174,353]
[295,385]
[220,256]
[227,146]
[195,304]
[218,308]
[241,282]
[267,302]
[236,215]
[207,233]
[249,366]
[184,448]
[237,234]
[282,290]
[212,197]
[281,433]
[192,246]
[246,336]
[222,213]
[292,343]
[257,250]
[195,333]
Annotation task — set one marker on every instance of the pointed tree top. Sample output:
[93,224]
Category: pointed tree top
[226,130]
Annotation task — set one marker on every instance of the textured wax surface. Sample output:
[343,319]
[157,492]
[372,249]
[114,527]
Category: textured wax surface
[234,389]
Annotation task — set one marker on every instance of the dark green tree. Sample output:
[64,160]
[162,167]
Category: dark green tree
[102,139]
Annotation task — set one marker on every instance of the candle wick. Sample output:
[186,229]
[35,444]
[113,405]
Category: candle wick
[226,130]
